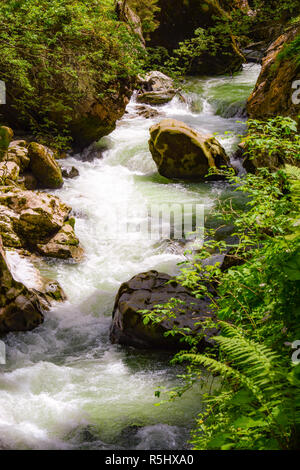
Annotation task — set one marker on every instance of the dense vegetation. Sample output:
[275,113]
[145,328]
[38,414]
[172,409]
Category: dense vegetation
[230,25]
[54,54]
[147,11]
[256,402]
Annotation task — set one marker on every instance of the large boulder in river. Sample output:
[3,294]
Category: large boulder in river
[181,152]
[39,222]
[44,166]
[155,88]
[275,88]
[144,292]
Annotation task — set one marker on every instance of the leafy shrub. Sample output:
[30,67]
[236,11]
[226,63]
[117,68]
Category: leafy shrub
[146,10]
[55,53]
[256,401]
[274,136]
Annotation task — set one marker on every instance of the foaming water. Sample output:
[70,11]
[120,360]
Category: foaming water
[64,385]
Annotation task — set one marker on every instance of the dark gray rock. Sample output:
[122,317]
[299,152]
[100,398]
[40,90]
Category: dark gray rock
[70,172]
[144,292]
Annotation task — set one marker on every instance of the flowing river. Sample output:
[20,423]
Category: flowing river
[64,385]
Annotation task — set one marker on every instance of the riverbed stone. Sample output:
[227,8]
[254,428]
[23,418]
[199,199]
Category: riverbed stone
[44,166]
[70,172]
[6,134]
[39,222]
[181,152]
[143,292]
[20,308]
[155,88]
[9,171]
[63,245]
[18,152]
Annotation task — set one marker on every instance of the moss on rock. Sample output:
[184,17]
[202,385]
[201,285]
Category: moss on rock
[44,166]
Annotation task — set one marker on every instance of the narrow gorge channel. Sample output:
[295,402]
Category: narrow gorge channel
[65,386]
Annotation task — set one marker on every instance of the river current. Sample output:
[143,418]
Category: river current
[64,385]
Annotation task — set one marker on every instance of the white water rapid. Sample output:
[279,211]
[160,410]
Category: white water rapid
[64,385]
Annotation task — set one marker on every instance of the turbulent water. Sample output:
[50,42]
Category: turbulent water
[64,385]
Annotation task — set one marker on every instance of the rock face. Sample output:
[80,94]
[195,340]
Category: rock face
[126,14]
[44,166]
[181,152]
[96,118]
[178,21]
[38,222]
[89,120]
[155,88]
[273,92]
[145,291]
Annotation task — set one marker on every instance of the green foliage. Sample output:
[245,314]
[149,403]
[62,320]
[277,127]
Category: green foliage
[291,51]
[274,136]
[256,404]
[147,11]
[267,12]
[53,54]
[190,50]
[259,407]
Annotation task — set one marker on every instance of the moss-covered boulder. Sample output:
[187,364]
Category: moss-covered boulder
[6,134]
[44,166]
[181,152]
[144,292]
[7,232]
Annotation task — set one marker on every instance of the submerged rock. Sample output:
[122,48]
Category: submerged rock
[70,172]
[155,88]
[145,291]
[181,152]
[147,112]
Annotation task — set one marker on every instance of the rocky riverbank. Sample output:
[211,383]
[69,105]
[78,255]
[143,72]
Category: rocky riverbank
[31,222]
